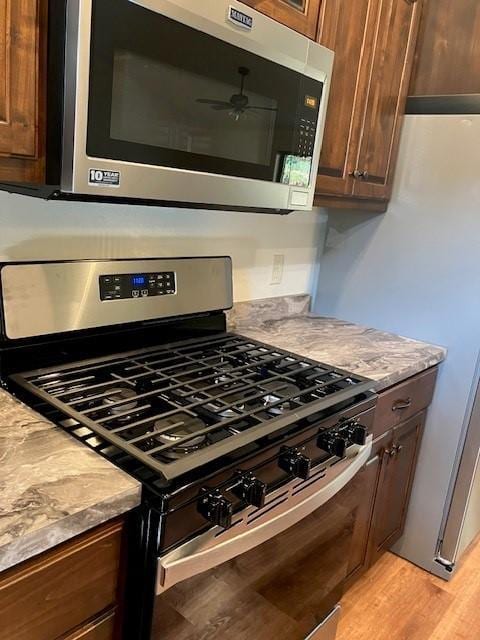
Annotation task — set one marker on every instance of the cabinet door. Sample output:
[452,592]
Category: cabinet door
[367,482]
[390,72]
[18,61]
[348,28]
[395,485]
[22,91]
[301,15]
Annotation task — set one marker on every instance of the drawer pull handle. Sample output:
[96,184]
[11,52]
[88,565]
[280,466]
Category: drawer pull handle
[402,404]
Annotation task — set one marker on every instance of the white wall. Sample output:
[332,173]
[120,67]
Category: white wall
[32,229]
[416,271]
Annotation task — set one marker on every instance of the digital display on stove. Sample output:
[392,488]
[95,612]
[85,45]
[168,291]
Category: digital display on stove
[135,286]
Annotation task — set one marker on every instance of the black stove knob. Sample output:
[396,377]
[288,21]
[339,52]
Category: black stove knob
[333,443]
[356,433]
[250,489]
[293,461]
[215,508]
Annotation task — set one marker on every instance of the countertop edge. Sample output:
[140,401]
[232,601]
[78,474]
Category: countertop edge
[405,374]
[30,545]
[428,355]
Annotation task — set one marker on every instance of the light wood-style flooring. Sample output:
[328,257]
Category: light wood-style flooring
[397,601]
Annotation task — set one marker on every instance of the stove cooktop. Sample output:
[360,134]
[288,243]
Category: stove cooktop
[176,407]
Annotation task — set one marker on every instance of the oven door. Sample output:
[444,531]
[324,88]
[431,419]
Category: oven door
[278,572]
[181,107]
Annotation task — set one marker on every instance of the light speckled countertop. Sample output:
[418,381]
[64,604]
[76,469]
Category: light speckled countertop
[286,323]
[52,487]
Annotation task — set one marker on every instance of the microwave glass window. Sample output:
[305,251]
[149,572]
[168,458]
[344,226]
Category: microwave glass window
[199,115]
[165,94]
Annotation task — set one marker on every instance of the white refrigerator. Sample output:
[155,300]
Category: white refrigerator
[416,271]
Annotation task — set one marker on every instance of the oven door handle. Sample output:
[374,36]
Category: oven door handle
[286,507]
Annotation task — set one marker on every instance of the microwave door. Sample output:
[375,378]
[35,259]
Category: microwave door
[174,113]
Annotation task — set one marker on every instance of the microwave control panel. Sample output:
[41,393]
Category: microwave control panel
[308,112]
[134,286]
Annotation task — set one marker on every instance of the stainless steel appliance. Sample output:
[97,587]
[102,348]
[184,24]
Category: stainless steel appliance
[461,523]
[250,457]
[180,102]
[443,515]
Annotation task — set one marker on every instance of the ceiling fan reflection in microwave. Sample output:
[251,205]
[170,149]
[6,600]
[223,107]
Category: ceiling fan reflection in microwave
[239,103]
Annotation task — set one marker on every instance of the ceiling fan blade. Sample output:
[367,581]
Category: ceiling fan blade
[218,103]
[222,107]
[261,108]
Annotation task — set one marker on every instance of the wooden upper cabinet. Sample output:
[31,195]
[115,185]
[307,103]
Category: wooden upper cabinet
[347,29]
[374,43]
[22,31]
[301,15]
[18,61]
[448,52]
[390,73]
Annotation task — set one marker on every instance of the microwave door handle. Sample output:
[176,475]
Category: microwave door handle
[215,547]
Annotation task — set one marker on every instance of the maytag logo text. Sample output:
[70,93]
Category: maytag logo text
[239,18]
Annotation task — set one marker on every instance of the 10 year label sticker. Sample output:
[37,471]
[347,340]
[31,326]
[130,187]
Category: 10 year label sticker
[99,177]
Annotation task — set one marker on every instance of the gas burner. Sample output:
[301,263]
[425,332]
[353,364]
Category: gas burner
[238,398]
[277,391]
[223,379]
[117,394]
[182,425]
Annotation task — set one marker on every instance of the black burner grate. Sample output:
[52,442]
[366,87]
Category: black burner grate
[178,406]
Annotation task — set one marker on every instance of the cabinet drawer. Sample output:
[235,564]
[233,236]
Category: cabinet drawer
[47,597]
[404,400]
[101,629]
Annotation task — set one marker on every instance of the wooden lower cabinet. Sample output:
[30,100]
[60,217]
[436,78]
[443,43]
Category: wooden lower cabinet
[398,428]
[72,592]
[395,484]
[368,479]
[102,628]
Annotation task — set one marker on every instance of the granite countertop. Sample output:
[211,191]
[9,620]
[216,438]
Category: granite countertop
[286,323]
[52,487]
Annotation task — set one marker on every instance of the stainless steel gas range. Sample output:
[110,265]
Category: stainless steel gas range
[250,457]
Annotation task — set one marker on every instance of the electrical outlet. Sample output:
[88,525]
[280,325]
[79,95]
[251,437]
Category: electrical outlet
[277,268]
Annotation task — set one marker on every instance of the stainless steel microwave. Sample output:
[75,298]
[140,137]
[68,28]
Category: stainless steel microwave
[197,103]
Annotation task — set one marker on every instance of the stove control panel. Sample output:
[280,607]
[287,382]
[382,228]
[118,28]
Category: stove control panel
[250,489]
[355,432]
[293,461]
[215,508]
[343,435]
[132,286]
[333,442]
